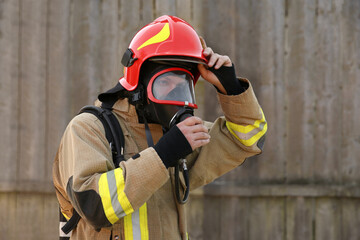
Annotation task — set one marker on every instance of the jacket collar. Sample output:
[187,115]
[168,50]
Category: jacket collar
[123,108]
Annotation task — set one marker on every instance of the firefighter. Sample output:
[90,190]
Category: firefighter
[154,102]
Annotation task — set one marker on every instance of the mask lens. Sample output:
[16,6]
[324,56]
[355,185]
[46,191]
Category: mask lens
[174,86]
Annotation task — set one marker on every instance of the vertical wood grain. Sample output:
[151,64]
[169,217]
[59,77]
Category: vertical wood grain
[212,217]
[299,218]
[32,91]
[328,94]
[8,216]
[327,219]
[220,14]
[129,24]
[110,66]
[350,88]
[300,96]
[234,218]
[57,104]
[350,219]
[29,215]
[9,86]
[259,56]
[84,54]
[183,10]
[50,216]
[266,219]
[165,7]
[147,12]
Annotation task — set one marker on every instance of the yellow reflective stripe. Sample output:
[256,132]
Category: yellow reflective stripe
[160,37]
[250,134]
[106,199]
[123,200]
[128,227]
[249,128]
[66,216]
[136,224]
[144,222]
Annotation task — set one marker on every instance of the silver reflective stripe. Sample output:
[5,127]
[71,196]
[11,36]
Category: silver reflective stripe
[61,233]
[114,196]
[136,224]
[135,220]
[249,135]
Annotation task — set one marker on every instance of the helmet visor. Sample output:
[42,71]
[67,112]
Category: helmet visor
[172,86]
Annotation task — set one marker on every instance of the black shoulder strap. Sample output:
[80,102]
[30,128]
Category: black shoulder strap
[115,137]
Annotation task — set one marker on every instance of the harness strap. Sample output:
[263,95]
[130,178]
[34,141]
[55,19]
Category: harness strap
[149,138]
[71,224]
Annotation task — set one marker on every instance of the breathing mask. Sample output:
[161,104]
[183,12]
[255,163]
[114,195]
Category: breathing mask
[171,96]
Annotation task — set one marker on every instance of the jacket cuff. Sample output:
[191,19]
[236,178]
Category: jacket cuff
[147,174]
[236,107]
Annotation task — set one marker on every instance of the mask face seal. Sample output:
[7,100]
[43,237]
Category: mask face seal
[172,86]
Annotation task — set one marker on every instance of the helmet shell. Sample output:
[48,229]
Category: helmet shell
[165,36]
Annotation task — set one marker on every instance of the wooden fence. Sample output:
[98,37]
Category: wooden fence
[303,58]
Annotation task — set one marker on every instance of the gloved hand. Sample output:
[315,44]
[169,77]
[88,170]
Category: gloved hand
[181,140]
[228,80]
[220,72]
[172,146]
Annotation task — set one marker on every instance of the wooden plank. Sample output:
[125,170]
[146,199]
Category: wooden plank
[85,53]
[111,67]
[270,90]
[9,97]
[57,102]
[350,219]
[299,218]
[300,96]
[129,24]
[328,149]
[147,12]
[241,31]
[29,215]
[50,217]
[32,90]
[266,219]
[165,7]
[7,216]
[259,49]
[197,14]
[248,20]
[234,218]
[183,9]
[350,88]
[222,20]
[212,216]
[327,219]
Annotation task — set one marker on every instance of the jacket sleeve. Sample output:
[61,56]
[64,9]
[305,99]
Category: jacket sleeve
[236,136]
[100,193]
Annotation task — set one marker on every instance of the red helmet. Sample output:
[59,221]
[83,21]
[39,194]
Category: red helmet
[166,38]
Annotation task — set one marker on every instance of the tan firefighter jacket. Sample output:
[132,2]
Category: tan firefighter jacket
[136,200]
